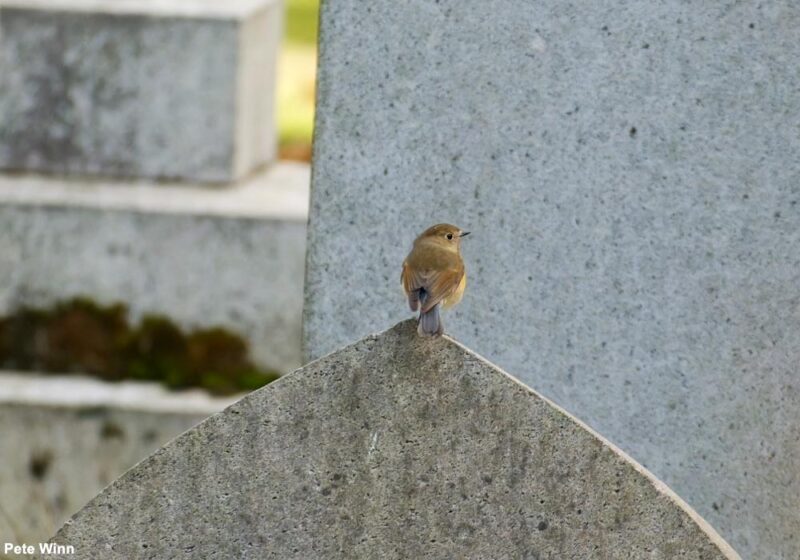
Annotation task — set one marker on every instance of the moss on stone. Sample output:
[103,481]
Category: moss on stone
[82,336]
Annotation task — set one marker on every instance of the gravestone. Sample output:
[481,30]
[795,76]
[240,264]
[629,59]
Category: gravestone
[394,447]
[203,257]
[65,438]
[630,174]
[138,89]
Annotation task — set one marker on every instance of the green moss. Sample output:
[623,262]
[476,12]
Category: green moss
[81,336]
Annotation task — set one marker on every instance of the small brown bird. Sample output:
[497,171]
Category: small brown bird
[434,276]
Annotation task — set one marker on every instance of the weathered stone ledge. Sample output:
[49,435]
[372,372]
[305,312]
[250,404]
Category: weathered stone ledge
[393,447]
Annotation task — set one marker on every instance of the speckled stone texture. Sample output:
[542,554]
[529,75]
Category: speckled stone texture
[64,439]
[395,447]
[102,92]
[231,257]
[631,175]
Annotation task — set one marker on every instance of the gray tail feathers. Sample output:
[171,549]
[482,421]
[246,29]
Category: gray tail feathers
[430,323]
[413,300]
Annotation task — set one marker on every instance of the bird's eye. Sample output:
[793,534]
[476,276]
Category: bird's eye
[449,236]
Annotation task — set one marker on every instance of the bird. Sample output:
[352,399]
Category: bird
[434,275]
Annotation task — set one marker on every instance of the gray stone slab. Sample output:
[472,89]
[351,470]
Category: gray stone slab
[232,257]
[395,447]
[160,89]
[631,173]
[64,439]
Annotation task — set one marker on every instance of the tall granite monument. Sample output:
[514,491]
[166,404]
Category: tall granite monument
[631,175]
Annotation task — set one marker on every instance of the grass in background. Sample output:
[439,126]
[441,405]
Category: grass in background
[301,22]
[297,66]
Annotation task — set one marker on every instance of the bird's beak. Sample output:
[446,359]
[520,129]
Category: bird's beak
[464,233]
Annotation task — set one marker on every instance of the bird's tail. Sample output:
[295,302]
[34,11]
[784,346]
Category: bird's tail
[430,323]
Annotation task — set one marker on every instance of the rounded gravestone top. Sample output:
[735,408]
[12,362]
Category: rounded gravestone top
[394,447]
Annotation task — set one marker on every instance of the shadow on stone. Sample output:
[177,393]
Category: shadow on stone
[393,447]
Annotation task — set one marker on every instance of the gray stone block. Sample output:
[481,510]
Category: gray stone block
[64,439]
[630,173]
[395,447]
[232,257]
[176,89]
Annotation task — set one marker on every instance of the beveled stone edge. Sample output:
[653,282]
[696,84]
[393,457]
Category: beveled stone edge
[190,9]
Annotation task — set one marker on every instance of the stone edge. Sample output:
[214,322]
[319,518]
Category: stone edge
[191,9]
[279,193]
[81,392]
[659,486]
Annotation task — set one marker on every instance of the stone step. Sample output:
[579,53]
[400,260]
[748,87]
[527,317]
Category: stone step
[63,439]
[178,89]
[232,257]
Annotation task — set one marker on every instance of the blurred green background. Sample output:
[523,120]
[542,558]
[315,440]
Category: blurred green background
[296,79]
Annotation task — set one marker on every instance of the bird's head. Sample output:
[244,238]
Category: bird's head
[446,235]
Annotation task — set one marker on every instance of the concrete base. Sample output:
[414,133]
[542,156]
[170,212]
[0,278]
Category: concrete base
[63,439]
[232,257]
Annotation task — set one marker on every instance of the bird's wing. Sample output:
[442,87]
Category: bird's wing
[412,293]
[457,294]
[438,284]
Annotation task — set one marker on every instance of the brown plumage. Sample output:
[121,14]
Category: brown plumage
[434,276]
